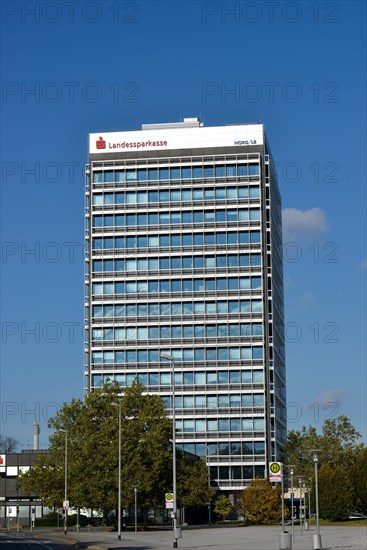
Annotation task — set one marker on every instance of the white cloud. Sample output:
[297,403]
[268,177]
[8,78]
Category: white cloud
[303,223]
[308,297]
[331,397]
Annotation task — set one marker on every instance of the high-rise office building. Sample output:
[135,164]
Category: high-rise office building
[183,233]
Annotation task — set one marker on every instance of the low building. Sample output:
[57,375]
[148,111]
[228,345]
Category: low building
[16,506]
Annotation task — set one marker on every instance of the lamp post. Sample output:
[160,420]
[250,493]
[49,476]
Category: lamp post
[291,471]
[66,482]
[309,503]
[300,503]
[305,506]
[209,484]
[176,531]
[119,475]
[136,507]
[316,539]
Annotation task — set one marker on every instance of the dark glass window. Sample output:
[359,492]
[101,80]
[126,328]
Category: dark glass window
[153,196]
[142,174]
[153,219]
[186,172]
[198,217]
[153,174]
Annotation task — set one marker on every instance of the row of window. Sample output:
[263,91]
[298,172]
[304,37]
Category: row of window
[178,195]
[220,401]
[187,378]
[238,353]
[178,308]
[120,334]
[221,425]
[178,172]
[174,218]
[224,448]
[236,472]
[180,239]
[178,262]
[180,285]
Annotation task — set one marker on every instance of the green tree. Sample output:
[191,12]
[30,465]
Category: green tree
[223,506]
[336,495]
[92,438]
[358,477]
[192,483]
[338,445]
[261,503]
[340,439]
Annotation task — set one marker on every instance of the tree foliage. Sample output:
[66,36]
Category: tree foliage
[358,477]
[92,440]
[336,495]
[338,446]
[193,488]
[223,506]
[339,450]
[261,503]
[8,444]
[90,428]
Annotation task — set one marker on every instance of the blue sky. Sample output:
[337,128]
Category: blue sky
[73,68]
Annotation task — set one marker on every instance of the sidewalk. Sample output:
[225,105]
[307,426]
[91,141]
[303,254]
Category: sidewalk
[220,538]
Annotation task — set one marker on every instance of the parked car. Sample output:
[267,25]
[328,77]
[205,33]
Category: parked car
[357,515]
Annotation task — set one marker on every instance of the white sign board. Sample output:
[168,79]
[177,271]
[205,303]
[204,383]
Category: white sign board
[176,138]
[275,472]
[169,500]
[12,511]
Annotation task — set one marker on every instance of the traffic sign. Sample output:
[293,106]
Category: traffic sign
[275,471]
[12,512]
[169,500]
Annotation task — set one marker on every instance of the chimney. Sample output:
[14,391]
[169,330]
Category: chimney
[36,433]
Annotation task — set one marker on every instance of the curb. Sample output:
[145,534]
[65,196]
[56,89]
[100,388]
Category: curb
[66,540]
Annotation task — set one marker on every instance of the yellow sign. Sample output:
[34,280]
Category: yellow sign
[275,467]
[275,472]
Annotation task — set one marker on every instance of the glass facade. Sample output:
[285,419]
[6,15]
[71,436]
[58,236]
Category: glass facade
[184,258]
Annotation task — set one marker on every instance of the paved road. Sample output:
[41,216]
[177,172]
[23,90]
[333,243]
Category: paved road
[29,541]
[216,538]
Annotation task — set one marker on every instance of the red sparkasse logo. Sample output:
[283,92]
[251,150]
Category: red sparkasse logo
[2,461]
[100,143]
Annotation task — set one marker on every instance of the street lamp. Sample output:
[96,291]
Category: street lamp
[176,531]
[309,501]
[119,474]
[136,507]
[300,503]
[209,485]
[291,471]
[305,506]
[66,482]
[316,539]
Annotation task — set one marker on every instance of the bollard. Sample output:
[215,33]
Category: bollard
[316,542]
[178,533]
[285,541]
